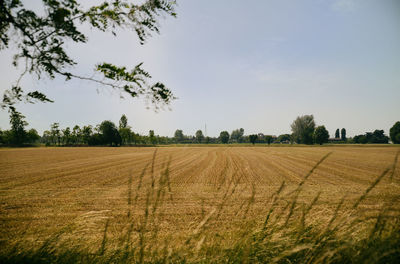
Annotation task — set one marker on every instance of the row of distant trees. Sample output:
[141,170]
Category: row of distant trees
[105,133]
[236,136]
[18,135]
[304,131]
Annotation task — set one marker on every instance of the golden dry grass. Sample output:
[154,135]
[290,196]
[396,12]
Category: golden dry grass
[76,191]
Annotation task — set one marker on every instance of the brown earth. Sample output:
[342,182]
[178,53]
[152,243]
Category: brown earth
[44,191]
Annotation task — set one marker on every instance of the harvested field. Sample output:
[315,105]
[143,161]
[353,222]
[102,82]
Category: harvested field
[169,193]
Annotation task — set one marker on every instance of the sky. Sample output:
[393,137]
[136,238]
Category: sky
[234,64]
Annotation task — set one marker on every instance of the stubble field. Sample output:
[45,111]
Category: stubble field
[159,201]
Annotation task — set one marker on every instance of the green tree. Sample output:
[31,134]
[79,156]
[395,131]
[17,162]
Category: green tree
[141,139]
[18,124]
[321,135]
[362,139]
[46,137]
[76,136]
[395,133]
[343,134]
[123,122]
[41,38]
[284,138]
[199,136]
[178,136]
[66,135]
[268,139]
[109,133]
[125,130]
[87,132]
[96,139]
[378,136]
[303,129]
[224,137]
[237,135]
[55,133]
[32,136]
[337,135]
[153,139]
[134,137]
[126,135]
[7,137]
[253,138]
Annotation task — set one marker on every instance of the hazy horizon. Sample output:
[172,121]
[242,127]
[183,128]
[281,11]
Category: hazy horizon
[238,65]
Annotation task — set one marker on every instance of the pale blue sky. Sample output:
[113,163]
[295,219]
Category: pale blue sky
[251,64]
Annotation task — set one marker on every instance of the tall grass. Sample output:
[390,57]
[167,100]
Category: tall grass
[288,233]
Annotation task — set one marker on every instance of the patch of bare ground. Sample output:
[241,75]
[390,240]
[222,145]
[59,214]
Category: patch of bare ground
[176,193]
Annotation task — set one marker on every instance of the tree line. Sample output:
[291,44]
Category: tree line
[304,131]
